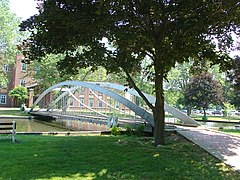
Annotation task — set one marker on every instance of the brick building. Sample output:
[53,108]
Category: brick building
[18,76]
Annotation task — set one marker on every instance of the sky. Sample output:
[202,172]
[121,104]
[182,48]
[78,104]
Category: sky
[23,8]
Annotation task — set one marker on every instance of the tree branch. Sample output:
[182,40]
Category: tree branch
[131,81]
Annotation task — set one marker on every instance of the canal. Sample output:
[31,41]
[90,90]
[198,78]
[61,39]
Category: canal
[32,125]
[57,125]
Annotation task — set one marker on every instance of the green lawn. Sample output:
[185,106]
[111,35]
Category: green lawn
[219,118]
[231,131]
[107,157]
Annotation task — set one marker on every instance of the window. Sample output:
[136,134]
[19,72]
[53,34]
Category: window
[23,82]
[100,103]
[82,90]
[91,102]
[117,104]
[82,102]
[91,91]
[3,99]
[6,67]
[24,67]
[71,103]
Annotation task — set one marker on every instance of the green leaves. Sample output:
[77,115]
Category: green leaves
[20,93]
[166,32]
[9,37]
[203,90]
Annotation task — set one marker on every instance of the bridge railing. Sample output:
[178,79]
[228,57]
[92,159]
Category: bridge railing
[74,98]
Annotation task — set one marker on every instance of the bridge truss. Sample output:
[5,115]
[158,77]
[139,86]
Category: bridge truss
[104,101]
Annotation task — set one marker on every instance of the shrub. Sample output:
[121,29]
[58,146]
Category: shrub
[115,130]
[129,130]
[204,118]
[20,93]
[140,129]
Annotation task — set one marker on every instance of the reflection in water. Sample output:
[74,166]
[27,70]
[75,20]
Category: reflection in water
[29,125]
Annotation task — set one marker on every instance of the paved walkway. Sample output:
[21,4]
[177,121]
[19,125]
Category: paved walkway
[222,146]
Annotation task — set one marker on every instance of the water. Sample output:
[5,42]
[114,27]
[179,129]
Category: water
[30,125]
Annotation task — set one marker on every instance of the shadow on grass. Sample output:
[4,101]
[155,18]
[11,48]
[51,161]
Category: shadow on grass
[107,157]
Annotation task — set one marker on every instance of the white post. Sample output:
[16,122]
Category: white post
[13,131]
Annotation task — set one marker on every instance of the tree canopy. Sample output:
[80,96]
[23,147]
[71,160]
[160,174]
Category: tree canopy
[202,91]
[20,93]
[118,35]
[9,36]
[46,73]
[234,76]
[234,73]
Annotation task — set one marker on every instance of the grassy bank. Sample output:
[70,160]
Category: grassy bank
[107,157]
[235,132]
[13,112]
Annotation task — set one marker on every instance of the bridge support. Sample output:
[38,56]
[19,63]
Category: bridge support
[41,117]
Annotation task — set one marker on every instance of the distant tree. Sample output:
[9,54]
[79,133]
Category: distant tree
[165,31]
[227,108]
[179,76]
[234,72]
[203,90]
[234,76]
[20,93]
[9,37]
[177,79]
[235,98]
[46,73]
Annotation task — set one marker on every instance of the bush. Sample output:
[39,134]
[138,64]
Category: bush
[129,130]
[140,129]
[224,113]
[20,93]
[204,118]
[115,130]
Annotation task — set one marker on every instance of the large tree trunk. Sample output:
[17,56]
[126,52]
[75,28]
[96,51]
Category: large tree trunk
[158,109]
[159,113]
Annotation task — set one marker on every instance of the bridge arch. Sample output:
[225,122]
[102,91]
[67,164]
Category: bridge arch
[174,111]
[102,88]
[139,111]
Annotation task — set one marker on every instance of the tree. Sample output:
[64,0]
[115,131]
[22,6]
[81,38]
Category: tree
[234,77]
[177,79]
[20,93]
[48,68]
[202,91]
[118,35]
[45,73]
[227,108]
[9,36]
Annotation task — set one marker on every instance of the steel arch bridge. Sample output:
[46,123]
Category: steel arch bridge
[67,99]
